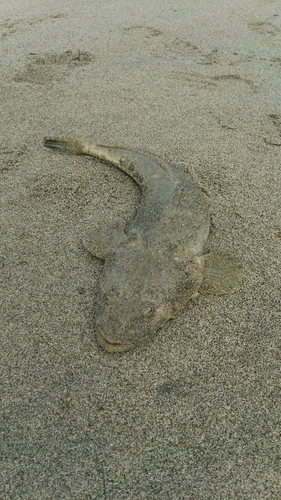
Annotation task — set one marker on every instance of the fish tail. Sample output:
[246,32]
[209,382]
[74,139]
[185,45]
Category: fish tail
[145,170]
[70,145]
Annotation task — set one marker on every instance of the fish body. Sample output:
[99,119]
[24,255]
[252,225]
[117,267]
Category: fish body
[154,267]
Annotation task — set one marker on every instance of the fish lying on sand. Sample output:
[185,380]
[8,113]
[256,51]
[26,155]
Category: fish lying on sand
[155,266]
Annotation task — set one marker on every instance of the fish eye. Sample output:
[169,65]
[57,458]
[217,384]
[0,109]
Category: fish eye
[110,297]
[147,310]
[109,292]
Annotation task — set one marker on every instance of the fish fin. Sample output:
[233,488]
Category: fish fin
[70,145]
[222,273]
[102,240]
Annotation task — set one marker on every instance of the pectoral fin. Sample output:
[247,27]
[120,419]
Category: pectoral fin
[222,273]
[102,240]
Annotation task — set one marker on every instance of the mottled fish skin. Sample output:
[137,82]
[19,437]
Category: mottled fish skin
[154,268]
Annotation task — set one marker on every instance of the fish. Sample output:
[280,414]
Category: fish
[156,263]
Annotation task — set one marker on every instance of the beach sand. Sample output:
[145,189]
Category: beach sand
[195,414]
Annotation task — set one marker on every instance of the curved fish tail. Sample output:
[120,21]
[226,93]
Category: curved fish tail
[144,168]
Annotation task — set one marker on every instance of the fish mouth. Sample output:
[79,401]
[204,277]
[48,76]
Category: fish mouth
[110,346]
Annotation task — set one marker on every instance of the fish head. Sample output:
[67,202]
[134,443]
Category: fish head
[138,294]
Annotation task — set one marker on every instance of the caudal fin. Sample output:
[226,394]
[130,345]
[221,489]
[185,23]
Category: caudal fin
[70,145]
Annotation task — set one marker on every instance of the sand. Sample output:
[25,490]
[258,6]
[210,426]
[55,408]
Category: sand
[195,414]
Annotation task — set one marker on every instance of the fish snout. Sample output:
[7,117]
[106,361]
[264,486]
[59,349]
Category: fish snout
[109,341]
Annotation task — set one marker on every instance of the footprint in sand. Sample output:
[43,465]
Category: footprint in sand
[157,42]
[42,70]
[12,26]
[263,28]
[11,158]
[273,137]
